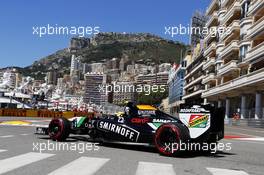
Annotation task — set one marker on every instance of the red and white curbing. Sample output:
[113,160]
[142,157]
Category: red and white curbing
[252,139]
[244,138]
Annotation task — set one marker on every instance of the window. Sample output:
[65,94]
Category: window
[243,51]
[244,10]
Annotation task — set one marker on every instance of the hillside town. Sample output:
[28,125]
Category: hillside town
[80,89]
[221,70]
[132,87]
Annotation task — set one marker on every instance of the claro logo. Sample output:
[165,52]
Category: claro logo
[140,120]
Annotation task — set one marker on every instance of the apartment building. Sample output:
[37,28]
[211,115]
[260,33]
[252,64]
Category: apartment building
[194,76]
[198,20]
[194,61]
[160,78]
[51,77]
[234,67]
[125,91]
[95,88]
[76,66]
[10,78]
[176,83]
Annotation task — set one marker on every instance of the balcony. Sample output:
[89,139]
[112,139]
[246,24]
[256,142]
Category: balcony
[225,3]
[221,13]
[255,53]
[219,48]
[208,78]
[227,68]
[197,80]
[231,47]
[210,49]
[253,79]
[234,27]
[212,20]
[257,29]
[246,21]
[194,70]
[255,7]
[195,93]
[232,12]
[211,7]
[208,63]
[208,37]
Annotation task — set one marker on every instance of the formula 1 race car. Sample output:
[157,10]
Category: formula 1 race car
[145,124]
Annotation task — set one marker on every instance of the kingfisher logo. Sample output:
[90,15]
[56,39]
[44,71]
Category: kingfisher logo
[198,121]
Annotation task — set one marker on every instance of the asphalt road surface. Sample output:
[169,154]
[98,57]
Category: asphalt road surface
[23,152]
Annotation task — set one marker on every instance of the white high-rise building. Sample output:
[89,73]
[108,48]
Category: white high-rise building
[76,65]
[8,79]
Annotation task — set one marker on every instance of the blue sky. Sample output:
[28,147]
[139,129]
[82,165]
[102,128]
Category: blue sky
[19,47]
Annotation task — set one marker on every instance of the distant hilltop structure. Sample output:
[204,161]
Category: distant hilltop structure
[79,43]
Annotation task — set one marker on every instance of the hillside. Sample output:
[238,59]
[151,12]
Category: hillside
[141,47]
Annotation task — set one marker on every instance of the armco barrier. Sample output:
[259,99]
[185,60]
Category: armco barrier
[14,112]
[42,113]
[32,113]
[68,114]
[49,114]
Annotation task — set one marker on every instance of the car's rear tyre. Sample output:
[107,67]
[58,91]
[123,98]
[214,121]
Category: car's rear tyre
[168,138]
[59,129]
[212,144]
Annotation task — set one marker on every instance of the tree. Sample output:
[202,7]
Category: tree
[154,98]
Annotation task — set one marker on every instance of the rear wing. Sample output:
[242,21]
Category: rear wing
[202,119]
[217,122]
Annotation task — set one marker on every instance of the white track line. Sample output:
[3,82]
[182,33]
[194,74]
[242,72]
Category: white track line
[251,139]
[81,166]
[7,136]
[260,131]
[219,171]
[25,134]
[146,168]
[241,134]
[12,163]
[2,150]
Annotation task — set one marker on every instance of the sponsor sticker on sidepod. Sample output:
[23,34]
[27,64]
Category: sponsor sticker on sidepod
[198,121]
[119,129]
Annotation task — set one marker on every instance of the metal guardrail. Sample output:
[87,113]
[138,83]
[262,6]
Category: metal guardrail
[42,113]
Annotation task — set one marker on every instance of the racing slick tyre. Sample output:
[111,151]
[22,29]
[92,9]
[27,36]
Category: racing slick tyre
[169,136]
[212,145]
[59,129]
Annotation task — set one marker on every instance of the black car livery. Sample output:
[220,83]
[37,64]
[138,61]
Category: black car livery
[145,124]
[121,130]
